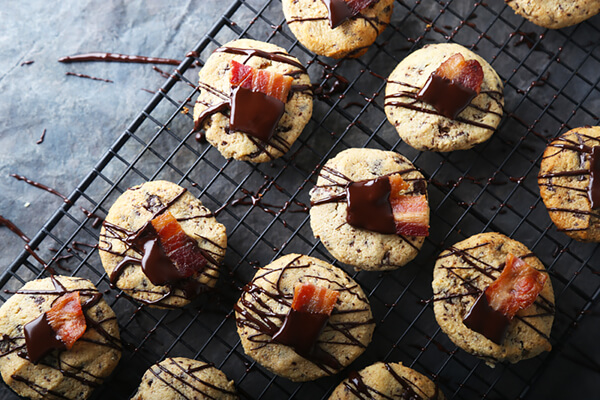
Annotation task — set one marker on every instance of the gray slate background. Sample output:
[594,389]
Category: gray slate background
[82,117]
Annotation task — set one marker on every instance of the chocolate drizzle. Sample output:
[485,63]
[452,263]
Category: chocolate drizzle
[40,339]
[448,97]
[594,186]
[410,99]
[190,378]
[115,57]
[143,249]
[257,306]
[356,385]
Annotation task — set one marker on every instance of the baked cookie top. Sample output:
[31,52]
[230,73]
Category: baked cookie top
[309,21]
[555,14]
[266,301]
[382,381]
[419,124]
[212,109]
[128,218]
[182,378]
[364,249]
[463,272]
[566,183]
[60,373]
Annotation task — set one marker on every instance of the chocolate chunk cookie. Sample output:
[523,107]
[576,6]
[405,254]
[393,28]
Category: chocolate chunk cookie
[555,14]
[382,381]
[462,273]
[569,181]
[212,112]
[265,307]
[138,268]
[331,34]
[422,125]
[56,372]
[364,249]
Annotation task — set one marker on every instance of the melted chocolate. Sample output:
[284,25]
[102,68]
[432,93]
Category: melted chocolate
[42,137]
[13,228]
[115,57]
[594,187]
[369,205]
[255,113]
[338,12]
[87,77]
[448,97]
[276,56]
[301,330]
[40,338]
[484,319]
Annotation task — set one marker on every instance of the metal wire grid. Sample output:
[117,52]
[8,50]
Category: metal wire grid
[470,192]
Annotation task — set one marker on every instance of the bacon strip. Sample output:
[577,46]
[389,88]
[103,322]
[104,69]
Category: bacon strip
[259,80]
[66,318]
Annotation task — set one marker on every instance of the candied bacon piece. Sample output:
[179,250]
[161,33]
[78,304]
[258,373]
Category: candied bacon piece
[311,308]
[314,299]
[516,288]
[411,213]
[66,318]
[468,73]
[259,80]
[181,249]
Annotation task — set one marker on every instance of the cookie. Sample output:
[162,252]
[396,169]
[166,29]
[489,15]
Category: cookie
[265,307]
[363,248]
[182,378]
[133,267]
[569,181]
[462,273]
[57,373]
[310,22]
[555,14]
[423,126]
[382,381]
[212,111]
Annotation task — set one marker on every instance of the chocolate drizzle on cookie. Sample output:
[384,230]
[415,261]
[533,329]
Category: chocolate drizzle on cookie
[356,385]
[338,11]
[588,169]
[254,311]
[412,99]
[46,349]
[189,377]
[142,248]
[255,113]
[337,192]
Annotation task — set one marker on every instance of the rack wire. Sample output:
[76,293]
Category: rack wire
[551,85]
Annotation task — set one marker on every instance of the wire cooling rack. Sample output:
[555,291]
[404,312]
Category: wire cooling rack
[551,84]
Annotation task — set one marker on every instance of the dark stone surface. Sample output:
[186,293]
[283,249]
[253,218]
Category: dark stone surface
[82,117]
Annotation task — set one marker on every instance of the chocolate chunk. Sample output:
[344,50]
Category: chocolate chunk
[369,205]
[448,97]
